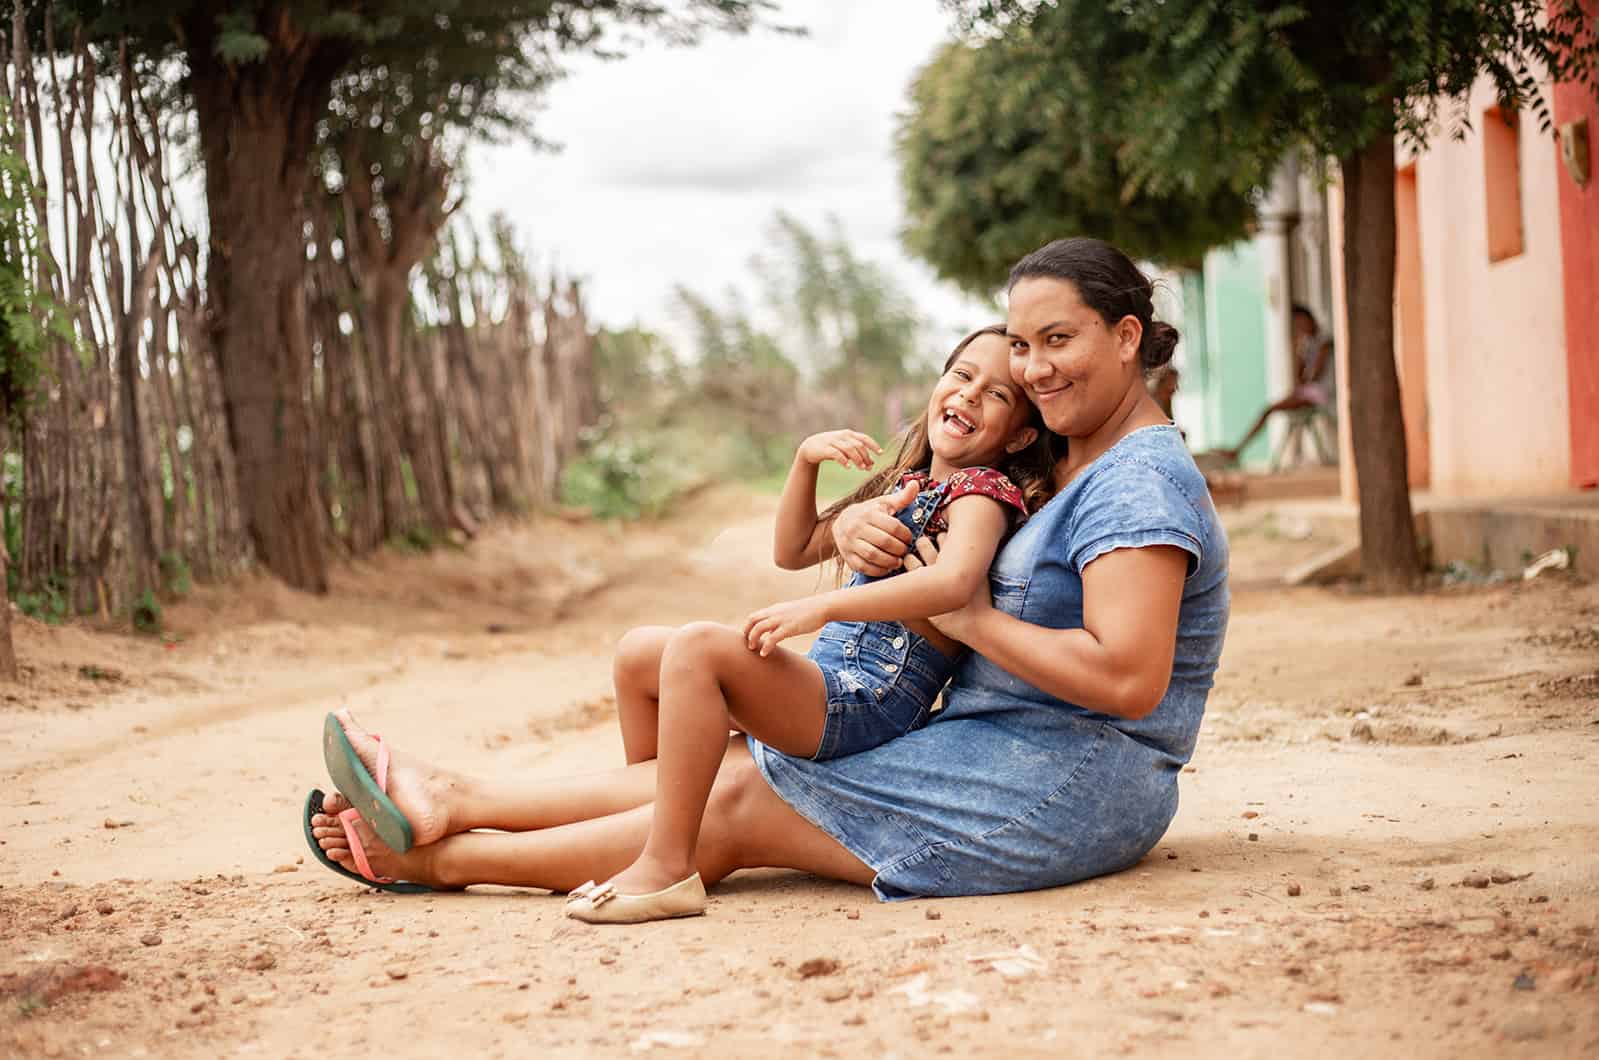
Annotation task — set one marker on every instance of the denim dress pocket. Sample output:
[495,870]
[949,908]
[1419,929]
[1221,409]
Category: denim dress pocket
[1009,594]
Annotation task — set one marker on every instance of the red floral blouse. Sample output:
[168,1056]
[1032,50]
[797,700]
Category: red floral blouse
[984,480]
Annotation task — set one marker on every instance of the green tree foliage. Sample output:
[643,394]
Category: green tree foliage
[1228,87]
[29,318]
[1017,138]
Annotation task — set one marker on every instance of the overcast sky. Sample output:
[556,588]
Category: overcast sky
[674,160]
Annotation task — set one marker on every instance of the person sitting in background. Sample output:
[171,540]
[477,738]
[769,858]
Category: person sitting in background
[1312,378]
[1162,384]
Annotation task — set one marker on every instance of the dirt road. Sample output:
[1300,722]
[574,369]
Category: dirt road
[1388,841]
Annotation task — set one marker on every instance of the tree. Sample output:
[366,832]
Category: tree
[29,319]
[259,76]
[858,331]
[1015,139]
[1346,81]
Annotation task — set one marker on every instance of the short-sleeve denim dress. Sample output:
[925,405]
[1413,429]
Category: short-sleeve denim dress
[1008,788]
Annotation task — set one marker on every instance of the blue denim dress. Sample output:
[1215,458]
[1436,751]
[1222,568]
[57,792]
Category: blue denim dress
[1008,788]
[882,679]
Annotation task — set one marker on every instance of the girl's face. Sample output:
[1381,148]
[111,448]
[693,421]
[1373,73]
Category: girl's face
[977,413]
[1073,364]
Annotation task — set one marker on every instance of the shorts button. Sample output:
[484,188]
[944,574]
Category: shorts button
[879,692]
[891,668]
[899,642]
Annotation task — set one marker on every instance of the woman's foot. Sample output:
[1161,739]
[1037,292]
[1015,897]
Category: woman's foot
[421,792]
[414,867]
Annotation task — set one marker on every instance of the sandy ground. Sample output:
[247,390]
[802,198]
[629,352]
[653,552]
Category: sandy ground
[1388,842]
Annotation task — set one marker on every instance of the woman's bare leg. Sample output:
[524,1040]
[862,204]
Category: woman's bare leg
[746,825]
[439,802]
[636,672]
[709,677]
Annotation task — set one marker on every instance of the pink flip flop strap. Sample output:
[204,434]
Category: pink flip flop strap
[348,818]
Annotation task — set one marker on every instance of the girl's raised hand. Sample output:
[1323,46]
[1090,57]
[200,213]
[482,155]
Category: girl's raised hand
[770,626]
[846,447]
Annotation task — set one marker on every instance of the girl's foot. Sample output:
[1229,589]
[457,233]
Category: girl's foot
[414,867]
[647,875]
[422,792]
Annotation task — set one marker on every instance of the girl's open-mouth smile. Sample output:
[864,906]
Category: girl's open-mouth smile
[957,425]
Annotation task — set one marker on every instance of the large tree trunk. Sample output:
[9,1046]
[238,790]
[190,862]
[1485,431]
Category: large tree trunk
[257,124]
[1389,559]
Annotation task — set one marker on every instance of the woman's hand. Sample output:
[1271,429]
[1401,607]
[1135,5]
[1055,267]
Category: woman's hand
[867,536]
[955,624]
[845,447]
[770,626]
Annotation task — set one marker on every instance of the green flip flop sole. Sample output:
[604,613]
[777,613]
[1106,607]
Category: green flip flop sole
[361,788]
[313,806]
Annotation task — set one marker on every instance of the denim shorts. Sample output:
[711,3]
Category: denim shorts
[882,681]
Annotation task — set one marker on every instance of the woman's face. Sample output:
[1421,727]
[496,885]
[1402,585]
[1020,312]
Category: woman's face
[1073,364]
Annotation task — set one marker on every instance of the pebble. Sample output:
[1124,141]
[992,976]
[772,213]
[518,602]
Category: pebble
[837,993]
[933,914]
[109,823]
[1525,982]
[1426,883]
[1250,815]
[1502,876]
[1293,890]
[853,914]
[104,908]
[398,973]
[1254,837]
[286,868]
[150,939]
[1474,879]
[262,961]
[817,966]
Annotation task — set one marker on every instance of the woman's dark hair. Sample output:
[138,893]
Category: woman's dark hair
[1032,469]
[1304,311]
[1108,283]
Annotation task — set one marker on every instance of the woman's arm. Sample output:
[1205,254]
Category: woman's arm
[799,541]
[976,525]
[869,538]
[1120,661]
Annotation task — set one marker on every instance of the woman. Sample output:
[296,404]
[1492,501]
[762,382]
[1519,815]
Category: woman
[1056,755]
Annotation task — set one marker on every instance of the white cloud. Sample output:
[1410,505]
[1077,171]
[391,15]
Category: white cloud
[675,160]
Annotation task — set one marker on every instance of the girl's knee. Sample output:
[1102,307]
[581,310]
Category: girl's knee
[639,651]
[699,642]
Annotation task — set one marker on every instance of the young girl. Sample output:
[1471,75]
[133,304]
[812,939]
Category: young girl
[867,679]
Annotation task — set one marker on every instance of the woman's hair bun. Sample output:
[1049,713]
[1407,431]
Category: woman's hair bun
[1158,345]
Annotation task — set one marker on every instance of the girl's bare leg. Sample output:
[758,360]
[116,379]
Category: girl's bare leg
[636,672]
[746,825]
[709,680]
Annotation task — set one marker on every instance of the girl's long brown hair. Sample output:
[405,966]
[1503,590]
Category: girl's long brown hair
[1032,469]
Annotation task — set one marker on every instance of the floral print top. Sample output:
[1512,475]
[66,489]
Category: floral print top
[983,480]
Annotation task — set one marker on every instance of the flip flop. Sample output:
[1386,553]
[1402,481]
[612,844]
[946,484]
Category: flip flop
[313,805]
[367,794]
